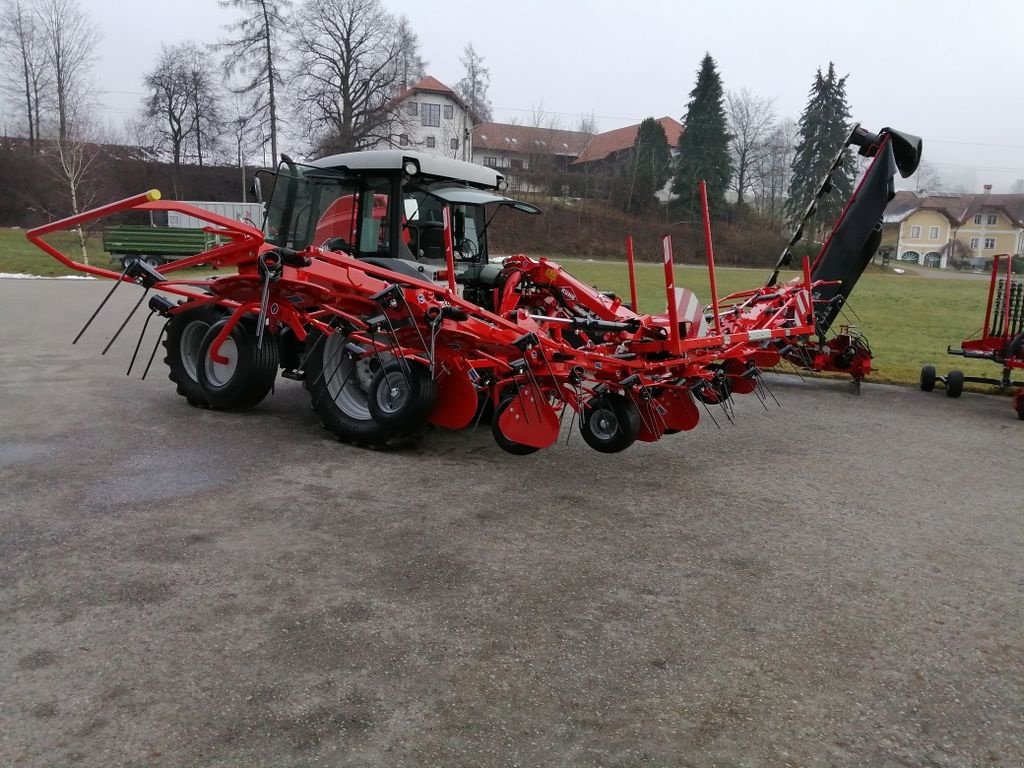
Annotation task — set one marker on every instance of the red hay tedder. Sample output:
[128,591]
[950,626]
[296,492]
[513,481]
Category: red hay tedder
[1001,340]
[371,283]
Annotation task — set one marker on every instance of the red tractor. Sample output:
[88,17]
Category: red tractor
[372,284]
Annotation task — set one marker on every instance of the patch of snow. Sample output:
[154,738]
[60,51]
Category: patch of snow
[19,276]
[899,271]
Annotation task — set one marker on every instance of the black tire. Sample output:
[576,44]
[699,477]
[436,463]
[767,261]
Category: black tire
[928,378]
[402,395]
[954,384]
[154,261]
[185,333]
[509,446]
[716,391]
[247,378]
[338,385]
[610,423]
[1020,407]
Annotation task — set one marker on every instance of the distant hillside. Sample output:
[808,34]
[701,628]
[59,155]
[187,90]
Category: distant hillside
[586,229]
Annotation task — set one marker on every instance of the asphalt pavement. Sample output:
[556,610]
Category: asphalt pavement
[836,582]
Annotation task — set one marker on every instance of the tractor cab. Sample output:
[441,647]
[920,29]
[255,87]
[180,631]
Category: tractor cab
[387,208]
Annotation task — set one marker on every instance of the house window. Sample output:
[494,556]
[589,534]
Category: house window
[992,218]
[491,161]
[430,142]
[977,218]
[403,140]
[933,233]
[454,143]
[516,162]
[449,111]
[431,115]
[915,232]
[411,108]
[990,243]
[974,243]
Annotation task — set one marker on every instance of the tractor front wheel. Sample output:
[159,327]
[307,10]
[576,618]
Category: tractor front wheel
[610,423]
[928,378]
[249,373]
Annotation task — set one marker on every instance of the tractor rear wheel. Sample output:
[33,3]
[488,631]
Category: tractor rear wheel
[509,446]
[249,373]
[402,395]
[610,423]
[185,332]
[954,384]
[928,378]
[339,382]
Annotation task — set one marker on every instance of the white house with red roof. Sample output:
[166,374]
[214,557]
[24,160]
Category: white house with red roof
[430,117]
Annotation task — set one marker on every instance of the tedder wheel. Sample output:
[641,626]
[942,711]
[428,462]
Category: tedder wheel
[928,378]
[954,383]
[339,386]
[610,423]
[249,374]
[185,332]
[509,446]
[402,395]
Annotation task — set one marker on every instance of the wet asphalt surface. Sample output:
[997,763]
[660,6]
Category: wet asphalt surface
[838,582]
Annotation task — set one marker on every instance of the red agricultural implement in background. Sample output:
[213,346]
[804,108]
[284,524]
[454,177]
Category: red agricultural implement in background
[1001,341]
[371,283]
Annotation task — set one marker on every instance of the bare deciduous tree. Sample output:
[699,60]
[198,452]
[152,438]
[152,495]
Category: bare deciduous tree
[168,105]
[24,63]
[588,123]
[751,121]
[347,52]
[74,165]
[411,66]
[255,53]
[773,168]
[472,88]
[203,99]
[69,39]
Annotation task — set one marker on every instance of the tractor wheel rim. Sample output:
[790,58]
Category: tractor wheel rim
[603,424]
[220,374]
[346,379]
[188,347]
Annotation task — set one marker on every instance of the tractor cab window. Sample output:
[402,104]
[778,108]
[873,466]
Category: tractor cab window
[424,221]
[334,209]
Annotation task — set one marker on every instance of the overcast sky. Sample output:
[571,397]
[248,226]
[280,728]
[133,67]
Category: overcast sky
[950,72]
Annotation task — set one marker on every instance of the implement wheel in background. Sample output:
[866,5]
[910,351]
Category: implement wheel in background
[954,384]
[928,378]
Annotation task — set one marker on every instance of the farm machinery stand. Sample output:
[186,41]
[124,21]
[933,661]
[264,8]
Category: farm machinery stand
[371,283]
[1001,341]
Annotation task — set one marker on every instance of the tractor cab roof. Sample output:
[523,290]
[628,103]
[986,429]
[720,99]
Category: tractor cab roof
[430,166]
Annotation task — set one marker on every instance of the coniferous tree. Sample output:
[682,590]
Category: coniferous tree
[649,166]
[824,127]
[703,145]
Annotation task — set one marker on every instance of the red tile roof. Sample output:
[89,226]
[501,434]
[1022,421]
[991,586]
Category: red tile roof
[503,137]
[610,142]
[958,208]
[431,84]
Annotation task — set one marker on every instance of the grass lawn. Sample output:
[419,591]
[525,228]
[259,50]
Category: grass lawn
[908,319]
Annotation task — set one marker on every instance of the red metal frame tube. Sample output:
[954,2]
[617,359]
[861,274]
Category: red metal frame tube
[449,250]
[632,274]
[1006,298]
[670,292]
[808,319]
[709,249]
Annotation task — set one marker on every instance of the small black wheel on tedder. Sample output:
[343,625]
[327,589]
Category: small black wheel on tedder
[610,423]
[954,384]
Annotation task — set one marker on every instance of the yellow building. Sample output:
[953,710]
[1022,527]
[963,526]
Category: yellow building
[952,230]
